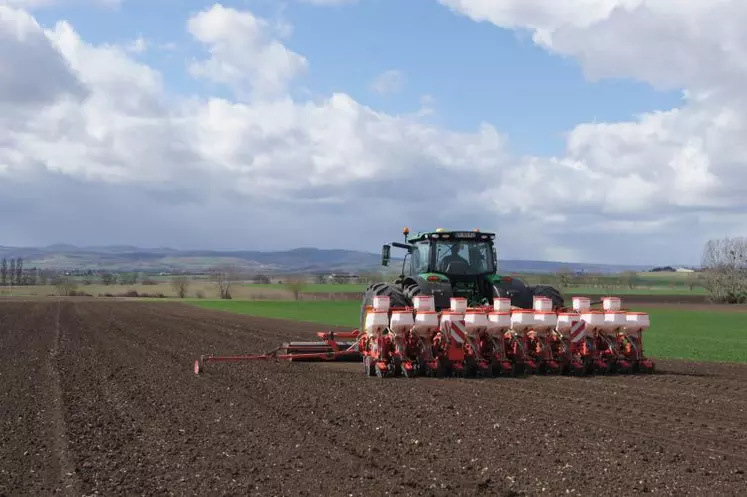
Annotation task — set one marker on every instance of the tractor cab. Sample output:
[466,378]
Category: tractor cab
[465,261]
[449,253]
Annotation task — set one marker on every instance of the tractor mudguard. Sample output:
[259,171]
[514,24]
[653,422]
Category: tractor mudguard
[440,290]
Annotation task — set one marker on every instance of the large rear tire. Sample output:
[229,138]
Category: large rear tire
[412,290]
[551,293]
[397,298]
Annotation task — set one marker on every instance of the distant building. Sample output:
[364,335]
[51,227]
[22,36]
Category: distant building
[340,278]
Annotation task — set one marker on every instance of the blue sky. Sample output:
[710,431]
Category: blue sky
[475,72]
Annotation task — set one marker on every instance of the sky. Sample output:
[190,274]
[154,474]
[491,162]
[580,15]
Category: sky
[603,131]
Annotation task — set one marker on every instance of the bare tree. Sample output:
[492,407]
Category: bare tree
[12,272]
[19,271]
[565,277]
[369,277]
[629,278]
[295,285]
[180,284]
[725,270]
[224,276]
[66,286]
[692,280]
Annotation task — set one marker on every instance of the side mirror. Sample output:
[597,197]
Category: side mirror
[385,255]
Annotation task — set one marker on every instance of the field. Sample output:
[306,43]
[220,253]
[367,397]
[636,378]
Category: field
[98,397]
[200,286]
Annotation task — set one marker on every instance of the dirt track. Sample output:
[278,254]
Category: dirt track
[100,397]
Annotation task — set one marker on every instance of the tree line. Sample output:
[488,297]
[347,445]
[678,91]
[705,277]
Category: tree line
[13,273]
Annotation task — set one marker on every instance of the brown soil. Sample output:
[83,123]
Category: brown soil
[100,397]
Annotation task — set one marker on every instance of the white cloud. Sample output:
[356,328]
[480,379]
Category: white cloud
[24,85]
[88,133]
[663,42]
[138,45]
[391,81]
[244,54]
[668,162]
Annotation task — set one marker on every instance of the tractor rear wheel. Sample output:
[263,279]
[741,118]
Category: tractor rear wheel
[397,298]
[551,293]
[411,291]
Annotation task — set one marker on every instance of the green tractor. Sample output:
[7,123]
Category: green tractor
[448,264]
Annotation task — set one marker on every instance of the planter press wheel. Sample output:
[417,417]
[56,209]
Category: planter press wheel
[369,368]
[419,369]
[443,369]
[379,372]
[470,368]
[410,373]
[518,369]
[398,369]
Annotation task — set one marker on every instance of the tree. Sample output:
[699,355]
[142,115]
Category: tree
[12,272]
[108,278]
[29,277]
[369,277]
[180,284]
[565,277]
[295,285]
[692,280]
[4,272]
[19,271]
[223,276]
[66,286]
[725,270]
[629,278]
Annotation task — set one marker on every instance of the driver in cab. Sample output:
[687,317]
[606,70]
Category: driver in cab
[454,258]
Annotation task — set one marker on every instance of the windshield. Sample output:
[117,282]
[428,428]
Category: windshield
[460,257]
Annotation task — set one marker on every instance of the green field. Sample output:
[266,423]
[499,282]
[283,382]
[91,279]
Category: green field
[642,290]
[316,287]
[675,334]
[659,283]
[647,289]
[697,335]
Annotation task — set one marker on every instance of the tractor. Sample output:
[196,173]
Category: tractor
[449,312]
[446,264]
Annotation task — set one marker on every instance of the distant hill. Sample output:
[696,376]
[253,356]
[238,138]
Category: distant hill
[300,260]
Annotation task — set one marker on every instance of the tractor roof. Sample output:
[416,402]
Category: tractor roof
[447,234]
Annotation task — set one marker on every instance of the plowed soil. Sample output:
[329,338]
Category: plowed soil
[99,398]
